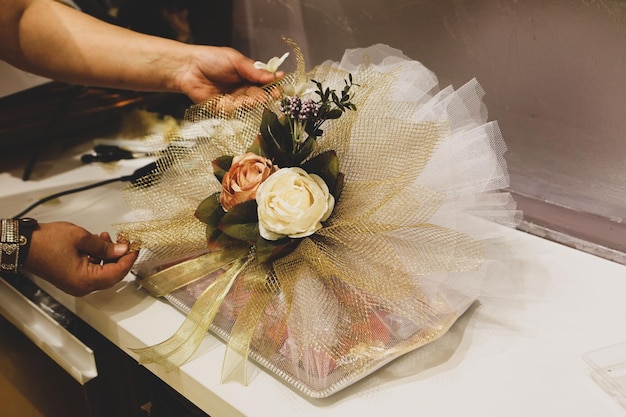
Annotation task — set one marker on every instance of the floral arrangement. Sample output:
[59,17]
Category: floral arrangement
[275,194]
[321,227]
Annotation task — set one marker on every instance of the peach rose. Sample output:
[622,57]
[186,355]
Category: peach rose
[242,180]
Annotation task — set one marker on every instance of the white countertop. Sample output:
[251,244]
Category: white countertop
[516,356]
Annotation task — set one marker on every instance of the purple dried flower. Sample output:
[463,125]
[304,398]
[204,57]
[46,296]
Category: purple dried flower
[299,109]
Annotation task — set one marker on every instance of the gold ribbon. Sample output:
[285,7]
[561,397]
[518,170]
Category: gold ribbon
[174,351]
[240,338]
[184,273]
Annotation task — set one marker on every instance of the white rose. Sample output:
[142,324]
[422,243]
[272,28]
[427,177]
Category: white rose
[292,203]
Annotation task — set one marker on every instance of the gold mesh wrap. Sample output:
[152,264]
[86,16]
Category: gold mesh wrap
[349,298]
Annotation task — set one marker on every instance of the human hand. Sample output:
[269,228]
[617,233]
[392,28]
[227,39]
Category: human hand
[70,257]
[212,71]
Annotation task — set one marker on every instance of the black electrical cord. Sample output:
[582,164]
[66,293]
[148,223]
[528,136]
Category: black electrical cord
[139,173]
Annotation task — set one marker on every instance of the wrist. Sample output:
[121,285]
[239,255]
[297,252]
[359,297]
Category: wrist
[181,69]
[15,236]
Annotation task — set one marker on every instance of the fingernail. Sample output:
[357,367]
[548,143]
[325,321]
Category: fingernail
[120,249]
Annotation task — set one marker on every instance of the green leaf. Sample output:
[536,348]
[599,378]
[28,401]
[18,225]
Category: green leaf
[221,166]
[210,210]
[326,165]
[212,233]
[213,237]
[247,232]
[334,114]
[241,222]
[336,191]
[217,240]
[270,250]
[313,129]
[305,150]
[276,142]
[275,135]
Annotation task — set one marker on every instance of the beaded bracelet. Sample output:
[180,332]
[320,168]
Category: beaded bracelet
[15,242]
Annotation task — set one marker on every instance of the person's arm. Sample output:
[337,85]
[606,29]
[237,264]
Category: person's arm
[53,40]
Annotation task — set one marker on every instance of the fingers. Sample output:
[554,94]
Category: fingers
[106,264]
[243,98]
[106,275]
[101,247]
[258,76]
[106,237]
[247,71]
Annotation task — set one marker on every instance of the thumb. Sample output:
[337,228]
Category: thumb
[97,248]
[249,72]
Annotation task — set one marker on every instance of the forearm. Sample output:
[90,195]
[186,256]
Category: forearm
[59,42]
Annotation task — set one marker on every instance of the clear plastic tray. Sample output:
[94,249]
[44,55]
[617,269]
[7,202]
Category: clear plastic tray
[608,369]
[319,376]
